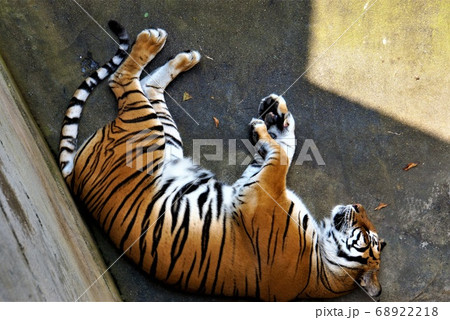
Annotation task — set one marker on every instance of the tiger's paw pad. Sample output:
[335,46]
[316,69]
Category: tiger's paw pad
[185,60]
[151,40]
[274,111]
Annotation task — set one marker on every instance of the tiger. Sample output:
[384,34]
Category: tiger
[176,221]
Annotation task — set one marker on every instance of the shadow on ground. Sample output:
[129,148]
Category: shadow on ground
[249,50]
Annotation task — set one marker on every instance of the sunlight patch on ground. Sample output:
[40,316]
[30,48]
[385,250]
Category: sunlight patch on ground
[394,59]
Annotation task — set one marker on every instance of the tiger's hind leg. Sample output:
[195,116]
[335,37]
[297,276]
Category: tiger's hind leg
[142,135]
[154,86]
[125,81]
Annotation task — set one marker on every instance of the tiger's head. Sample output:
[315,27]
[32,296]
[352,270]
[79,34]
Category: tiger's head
[354,244]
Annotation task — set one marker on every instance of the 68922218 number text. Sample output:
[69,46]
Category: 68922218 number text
[407,311]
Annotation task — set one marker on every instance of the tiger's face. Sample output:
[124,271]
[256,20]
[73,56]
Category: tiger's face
[358,244]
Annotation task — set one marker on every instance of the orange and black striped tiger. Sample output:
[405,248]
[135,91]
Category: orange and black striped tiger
[254,238]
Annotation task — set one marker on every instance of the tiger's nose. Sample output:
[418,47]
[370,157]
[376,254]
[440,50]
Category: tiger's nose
[377,295]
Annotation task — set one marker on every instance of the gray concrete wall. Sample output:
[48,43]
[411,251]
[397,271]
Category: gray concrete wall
[46,252]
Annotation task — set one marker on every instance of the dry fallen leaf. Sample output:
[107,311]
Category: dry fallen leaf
[186,96]
[216,122]
[410,166]
[381,206]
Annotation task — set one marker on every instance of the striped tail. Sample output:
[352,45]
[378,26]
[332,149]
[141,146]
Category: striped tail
[69,131]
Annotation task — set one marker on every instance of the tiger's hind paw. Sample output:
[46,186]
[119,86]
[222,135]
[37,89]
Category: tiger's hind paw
[185,61]
[148,43]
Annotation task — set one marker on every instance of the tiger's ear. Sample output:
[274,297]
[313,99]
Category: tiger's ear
[382,244]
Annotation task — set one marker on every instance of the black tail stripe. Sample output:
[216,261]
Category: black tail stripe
[65,149]
[75,101]
[69,121]
[87,86]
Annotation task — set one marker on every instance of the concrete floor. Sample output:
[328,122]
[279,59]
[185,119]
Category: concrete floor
[375,101]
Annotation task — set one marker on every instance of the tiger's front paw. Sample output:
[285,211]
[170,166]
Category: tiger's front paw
[258,130]
[273,110]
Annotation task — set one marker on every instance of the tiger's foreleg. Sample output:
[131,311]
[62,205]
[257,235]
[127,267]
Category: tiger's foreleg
[280,125]
[154,86]
[262,211]
[272,175]
[279,122]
